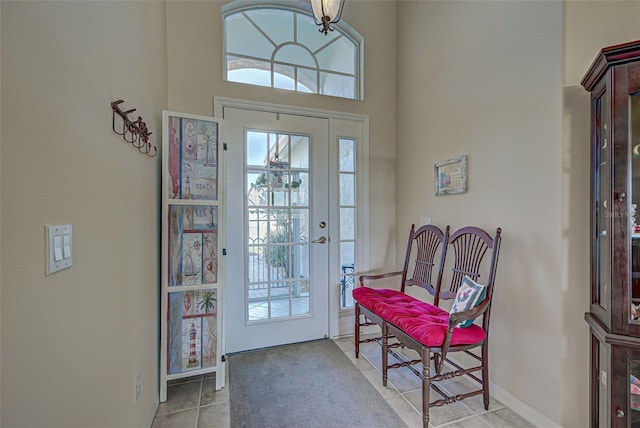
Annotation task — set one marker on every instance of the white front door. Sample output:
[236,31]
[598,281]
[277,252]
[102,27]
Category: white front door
[277,285]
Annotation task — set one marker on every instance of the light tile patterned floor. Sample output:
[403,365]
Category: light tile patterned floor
[193,402]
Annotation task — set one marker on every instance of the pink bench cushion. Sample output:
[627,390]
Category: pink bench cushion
[424,322]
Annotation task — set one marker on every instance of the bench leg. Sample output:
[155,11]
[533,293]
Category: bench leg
[485,375]
[357,330]
[426,386]
[385,352]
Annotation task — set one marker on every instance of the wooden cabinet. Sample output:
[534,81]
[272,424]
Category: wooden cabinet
[614,83]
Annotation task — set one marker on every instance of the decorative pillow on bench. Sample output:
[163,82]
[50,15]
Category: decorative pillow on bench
[469,295]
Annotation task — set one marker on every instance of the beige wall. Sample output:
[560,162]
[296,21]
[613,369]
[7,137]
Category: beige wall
[72,341]
[498,81]
[483,79]
[195,27]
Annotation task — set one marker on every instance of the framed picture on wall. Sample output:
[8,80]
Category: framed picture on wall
[451,176]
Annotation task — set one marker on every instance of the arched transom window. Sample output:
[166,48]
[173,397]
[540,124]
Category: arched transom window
[280,46]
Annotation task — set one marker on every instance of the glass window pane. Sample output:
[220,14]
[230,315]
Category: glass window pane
[346,288]
[337,85]
[339,56]
[347,223]
[347,255]
[300,258]
[243,38]
[256,188]
[347,155]
[280,300]
[258,305]
[278,261]
[300,301]
[284,77]
[300,195]
[308,33]
[300,152]
[257,226]
[278,197]
[258,269]
[253,72]
[256,148]
[294,54]
[300,225]
[257,39]
[347,189]
[276,23]
[307,80]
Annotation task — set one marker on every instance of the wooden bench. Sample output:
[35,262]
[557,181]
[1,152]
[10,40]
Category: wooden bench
[431,330]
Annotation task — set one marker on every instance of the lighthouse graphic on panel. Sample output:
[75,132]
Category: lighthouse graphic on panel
[191,343]
[193,359]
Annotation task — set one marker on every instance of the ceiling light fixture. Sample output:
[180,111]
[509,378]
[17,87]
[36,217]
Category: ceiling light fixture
[327,12]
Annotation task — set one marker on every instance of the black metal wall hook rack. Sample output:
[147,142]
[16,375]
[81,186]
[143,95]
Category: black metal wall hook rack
[134,132]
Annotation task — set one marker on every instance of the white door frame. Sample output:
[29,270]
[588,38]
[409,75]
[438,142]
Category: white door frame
[340,321]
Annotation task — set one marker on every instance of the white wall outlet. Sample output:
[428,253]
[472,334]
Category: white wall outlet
[425,220]
[59,253]
[137,386]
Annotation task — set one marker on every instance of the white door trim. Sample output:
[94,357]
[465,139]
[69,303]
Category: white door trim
[336,327]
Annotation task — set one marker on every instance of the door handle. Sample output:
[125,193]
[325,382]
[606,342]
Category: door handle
[321,240]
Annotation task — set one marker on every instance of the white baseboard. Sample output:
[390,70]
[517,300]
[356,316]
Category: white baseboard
[523,410]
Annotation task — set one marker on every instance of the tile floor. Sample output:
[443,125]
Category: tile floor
[193,402]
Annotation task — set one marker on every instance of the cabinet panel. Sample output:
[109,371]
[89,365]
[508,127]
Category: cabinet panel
[625,388]
[614,314]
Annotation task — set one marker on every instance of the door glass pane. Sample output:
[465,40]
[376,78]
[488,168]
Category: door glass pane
[347,189]
[347,155]
[300,152]
[256,148]
[257,267]
[300,304]
[347,223]
[279,299]
[278,225]
[300,195]
[300,219]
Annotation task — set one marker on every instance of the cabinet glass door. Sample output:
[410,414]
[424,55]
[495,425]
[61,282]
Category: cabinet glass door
[634,393]
[603,204]
[634,138]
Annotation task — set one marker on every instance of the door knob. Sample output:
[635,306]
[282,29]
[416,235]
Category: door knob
[321,240]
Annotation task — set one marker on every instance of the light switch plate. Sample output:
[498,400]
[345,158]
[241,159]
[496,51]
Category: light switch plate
[59,248]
